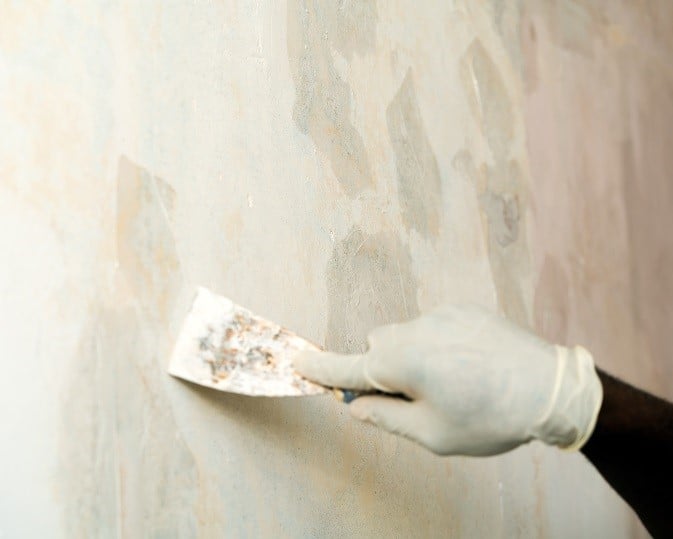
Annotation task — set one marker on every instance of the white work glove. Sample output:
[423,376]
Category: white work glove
[477,384]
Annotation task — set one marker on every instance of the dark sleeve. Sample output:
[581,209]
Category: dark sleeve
[632,448]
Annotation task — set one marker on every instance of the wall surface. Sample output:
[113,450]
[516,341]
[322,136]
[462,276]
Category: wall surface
[333,166]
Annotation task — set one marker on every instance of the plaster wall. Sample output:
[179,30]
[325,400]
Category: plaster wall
[333,166]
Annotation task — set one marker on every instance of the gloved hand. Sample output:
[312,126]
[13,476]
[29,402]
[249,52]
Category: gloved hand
[476,383]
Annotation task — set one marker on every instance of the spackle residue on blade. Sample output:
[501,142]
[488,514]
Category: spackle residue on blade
[225,346]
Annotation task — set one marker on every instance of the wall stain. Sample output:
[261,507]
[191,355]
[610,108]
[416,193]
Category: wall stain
[323,107]
[370,282]
[502,211]
[126,471]
[418,178]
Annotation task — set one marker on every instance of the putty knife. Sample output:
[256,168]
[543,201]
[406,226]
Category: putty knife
[226,347]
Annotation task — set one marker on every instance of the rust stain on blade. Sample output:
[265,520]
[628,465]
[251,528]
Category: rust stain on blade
[224,346]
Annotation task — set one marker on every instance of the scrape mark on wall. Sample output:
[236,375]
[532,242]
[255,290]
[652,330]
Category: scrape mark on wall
[145,244]
[370,282]
[488,98]
[418,179]
[323,108]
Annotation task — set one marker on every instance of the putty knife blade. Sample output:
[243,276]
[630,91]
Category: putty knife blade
[226,347]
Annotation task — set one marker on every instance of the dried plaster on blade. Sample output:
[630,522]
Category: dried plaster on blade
[223,346]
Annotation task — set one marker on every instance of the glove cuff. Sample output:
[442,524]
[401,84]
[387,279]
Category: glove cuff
[576,400]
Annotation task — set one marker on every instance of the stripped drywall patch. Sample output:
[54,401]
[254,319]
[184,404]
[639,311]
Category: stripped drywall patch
[370,282]
[323,107]
[418,178]
[488,97]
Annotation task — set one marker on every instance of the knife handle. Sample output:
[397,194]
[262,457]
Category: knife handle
[348,395]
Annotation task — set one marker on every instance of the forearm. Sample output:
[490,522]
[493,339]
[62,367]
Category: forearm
[632,447]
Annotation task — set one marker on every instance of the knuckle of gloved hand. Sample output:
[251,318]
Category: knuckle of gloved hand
[382,375]
[409,367]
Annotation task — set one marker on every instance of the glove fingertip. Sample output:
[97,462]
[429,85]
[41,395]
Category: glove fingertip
[310,366]
[305,360]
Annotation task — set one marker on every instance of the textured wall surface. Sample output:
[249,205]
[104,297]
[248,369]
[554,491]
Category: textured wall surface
[333,166]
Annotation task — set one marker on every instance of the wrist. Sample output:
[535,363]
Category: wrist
[575,401]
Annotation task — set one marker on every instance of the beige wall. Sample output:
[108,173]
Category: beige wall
[333,166]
